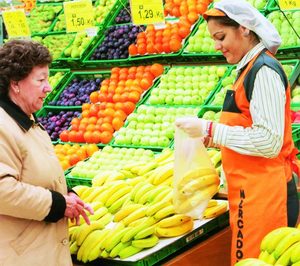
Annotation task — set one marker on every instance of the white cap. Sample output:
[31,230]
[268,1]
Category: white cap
[249,17]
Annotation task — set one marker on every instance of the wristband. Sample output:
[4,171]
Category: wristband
[209,129]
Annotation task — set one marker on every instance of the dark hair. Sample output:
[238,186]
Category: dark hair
[18,58]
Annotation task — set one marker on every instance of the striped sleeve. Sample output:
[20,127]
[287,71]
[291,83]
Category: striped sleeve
[267,107]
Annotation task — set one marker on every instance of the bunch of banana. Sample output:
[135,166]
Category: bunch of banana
[281,246]
[216,210]
[216,158]
[162,173]
[80,189]
[175,225]
[166,156]
[251,262]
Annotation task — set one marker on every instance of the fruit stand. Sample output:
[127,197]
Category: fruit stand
[111,113]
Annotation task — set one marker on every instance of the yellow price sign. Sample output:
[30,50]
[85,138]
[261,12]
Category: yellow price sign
[79,15]
[147,12]
[289,4]
[15,23]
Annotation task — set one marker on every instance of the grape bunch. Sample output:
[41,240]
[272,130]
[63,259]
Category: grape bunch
[124,15]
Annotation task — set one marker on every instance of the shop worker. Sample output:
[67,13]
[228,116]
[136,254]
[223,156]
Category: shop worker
[35,203]
[254,132]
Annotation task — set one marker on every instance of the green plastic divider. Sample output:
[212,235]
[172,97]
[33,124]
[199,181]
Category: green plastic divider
[76,181]
[80,75]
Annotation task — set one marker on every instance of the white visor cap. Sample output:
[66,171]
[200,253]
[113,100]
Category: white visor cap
[249,17]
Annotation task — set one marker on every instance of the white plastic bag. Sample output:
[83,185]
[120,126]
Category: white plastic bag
[195,178]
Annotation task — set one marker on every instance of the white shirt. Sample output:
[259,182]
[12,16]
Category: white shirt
[267,108]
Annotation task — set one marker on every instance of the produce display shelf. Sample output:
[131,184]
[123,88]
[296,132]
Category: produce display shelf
[209,108]
[76,181]
[80,75]
[57,86]
[168,246]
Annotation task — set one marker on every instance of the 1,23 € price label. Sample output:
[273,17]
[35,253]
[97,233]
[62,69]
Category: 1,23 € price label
[289,4]
[16,23]
[79,15]
[147,12]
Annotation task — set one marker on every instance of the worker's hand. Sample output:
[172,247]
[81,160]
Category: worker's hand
[193,126]
[76,207]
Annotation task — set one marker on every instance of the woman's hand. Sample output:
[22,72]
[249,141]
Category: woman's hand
[76,207]
[193,126]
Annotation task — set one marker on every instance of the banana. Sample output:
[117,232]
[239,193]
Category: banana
[96,205]
[286,242]
[95,251]
[75,234]
[149,221]
[199,183]
[195,173]
[165,212]
[296,264]
[271,240]
[127,173]
[215,210]
[284,259]
[128,251]
[125,211]
[86,229]
[74,248]
[135,180]
[105,219]
[104,254]
[115,239]
[155,207]
[148,231]
[147,167]
[117,249]
[145,198]
[164,155]
[117,205]
[190,202]
[103,196]
[87,245]
[156,191]
[251,262]
[174,220]
[98,214]
[266,257]
[143,190]
[161,196]
[295,256]
[115,176]
[86,193]
[100,178]
[117,195]
[139,213]
[94,193]
[115,186]
[138,221]
[129,166]
[212,203]
[212,152]
[79,189]
[164,173]
[148,242]
[175,230]
[136,188]
[168,182]
[216,159]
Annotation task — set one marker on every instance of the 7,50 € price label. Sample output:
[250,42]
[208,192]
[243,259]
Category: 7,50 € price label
[16,23]
[79,15]
[147,13]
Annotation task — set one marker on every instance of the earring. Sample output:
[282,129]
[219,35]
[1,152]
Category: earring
[18,90]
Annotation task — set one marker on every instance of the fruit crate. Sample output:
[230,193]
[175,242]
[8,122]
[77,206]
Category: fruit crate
[185,103]
[110,62]
[286,50]
[76,181]
[169,246]
[55,126]
[77,61]
[203,113]
[152,134]
[66,73]
[59,9]
[75,75]
[165,57]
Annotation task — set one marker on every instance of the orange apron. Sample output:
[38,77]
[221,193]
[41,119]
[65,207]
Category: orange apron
[257,186]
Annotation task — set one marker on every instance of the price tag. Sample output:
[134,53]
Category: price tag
[147,12]
[289,4]
[79,15]
[16,23]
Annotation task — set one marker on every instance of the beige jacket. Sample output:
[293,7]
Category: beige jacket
[29,169]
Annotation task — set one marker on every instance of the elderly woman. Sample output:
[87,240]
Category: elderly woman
[35,203]
[254,133]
